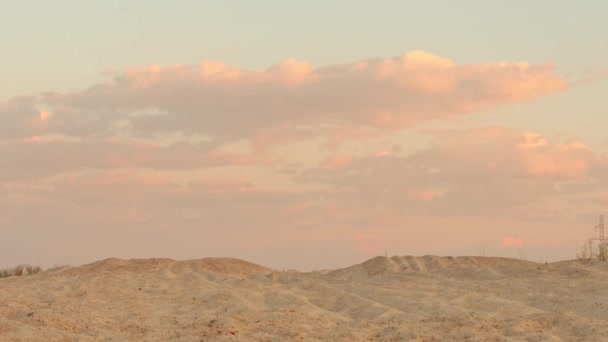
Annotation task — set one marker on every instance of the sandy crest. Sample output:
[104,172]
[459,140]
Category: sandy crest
[383,299]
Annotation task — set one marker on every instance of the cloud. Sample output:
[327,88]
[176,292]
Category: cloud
[44,116]
[20,118]
[369,243]
[50,155]
[484,171]
[566,161]
[466,177]
[423,195]
[217,156]
[337,161]
[185,116]
[229,103]
[513,242]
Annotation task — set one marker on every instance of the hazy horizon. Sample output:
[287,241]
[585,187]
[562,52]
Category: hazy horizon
[308,136]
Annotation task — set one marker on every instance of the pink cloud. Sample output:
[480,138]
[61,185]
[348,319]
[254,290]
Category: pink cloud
[508,150]
[369,97]
[292,73]
[423,195]
[56,154]
[44,116]
[471,172]
[513,242]
[336,162]
[120,156]
[369,243]
[568,160]
[341,134]
[224,185]
[156,180]
[43,139]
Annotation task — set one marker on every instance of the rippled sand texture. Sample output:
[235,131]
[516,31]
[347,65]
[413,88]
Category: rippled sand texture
[384,299]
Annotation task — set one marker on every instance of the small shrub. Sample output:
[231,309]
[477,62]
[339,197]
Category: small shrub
[33,269]
[586,251]
[19,270]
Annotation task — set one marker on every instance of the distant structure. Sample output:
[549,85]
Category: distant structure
[602,250]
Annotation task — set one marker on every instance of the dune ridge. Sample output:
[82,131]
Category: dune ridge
[397,298]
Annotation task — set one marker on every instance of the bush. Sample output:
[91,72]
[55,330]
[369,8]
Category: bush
[19,270]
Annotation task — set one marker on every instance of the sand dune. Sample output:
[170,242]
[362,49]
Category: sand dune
[425,298]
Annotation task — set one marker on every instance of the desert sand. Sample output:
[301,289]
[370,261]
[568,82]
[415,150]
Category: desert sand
[407,298]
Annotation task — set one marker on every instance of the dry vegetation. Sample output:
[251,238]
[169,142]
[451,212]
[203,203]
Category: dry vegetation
[19,270]
[590,252]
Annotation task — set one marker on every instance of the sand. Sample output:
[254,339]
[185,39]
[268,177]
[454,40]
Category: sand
[383,299]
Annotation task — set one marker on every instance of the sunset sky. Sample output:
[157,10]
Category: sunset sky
[309,135]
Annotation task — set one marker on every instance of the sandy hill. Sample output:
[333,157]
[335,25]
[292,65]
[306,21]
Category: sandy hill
[425,298]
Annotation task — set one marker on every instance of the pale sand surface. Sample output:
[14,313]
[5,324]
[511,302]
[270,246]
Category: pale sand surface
[384,299]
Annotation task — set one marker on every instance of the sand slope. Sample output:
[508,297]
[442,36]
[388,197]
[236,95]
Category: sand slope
[383,299]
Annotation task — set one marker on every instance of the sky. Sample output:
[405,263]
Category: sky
[305,135]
